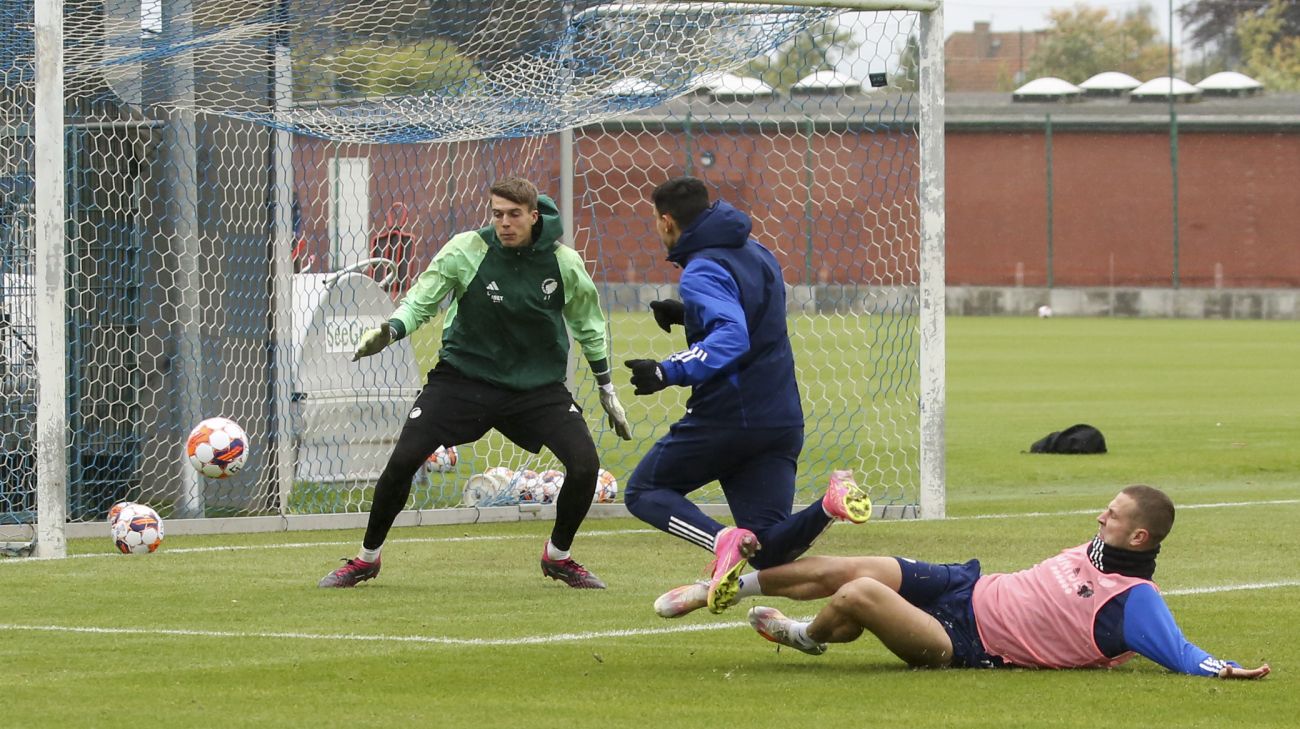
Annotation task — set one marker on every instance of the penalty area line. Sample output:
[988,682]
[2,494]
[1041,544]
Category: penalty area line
[496,642]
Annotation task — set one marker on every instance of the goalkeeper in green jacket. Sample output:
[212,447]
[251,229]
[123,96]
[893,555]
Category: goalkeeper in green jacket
[517,294]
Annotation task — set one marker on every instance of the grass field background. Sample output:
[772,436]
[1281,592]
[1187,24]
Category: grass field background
[461,630]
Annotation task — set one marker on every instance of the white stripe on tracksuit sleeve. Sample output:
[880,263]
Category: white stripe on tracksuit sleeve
[707,287]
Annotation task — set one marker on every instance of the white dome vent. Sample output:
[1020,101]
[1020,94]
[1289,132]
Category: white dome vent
[1047,88]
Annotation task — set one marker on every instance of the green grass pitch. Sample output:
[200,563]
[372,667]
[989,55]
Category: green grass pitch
[462,631]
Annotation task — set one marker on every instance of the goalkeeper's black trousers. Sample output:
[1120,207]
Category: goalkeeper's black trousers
[454,409]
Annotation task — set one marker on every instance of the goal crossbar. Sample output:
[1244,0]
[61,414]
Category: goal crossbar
[757,6]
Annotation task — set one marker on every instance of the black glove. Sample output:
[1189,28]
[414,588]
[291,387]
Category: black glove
[647,376]
[668,312]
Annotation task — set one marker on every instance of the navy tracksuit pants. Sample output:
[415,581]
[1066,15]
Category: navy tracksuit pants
[756,468]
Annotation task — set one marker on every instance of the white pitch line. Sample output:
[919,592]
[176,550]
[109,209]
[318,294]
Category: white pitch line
[431,639]
[1231,588]
[1075,512]
[610,532]
[498,642]
[351,543]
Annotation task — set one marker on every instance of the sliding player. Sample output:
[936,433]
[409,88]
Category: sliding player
[1091,606]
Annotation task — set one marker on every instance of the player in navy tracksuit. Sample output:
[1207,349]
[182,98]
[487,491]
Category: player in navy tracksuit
[743,425]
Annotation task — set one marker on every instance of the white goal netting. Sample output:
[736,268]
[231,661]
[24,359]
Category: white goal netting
[250,185]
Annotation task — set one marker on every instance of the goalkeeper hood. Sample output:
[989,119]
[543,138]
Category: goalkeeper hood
[720,226]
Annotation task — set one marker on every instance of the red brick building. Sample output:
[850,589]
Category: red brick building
[1109,219]
[981,60]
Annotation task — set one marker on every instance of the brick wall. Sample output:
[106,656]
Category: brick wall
[1112,208]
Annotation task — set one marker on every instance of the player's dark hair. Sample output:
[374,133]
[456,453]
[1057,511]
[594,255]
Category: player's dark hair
[682,199]
[516,190]
[1155,510]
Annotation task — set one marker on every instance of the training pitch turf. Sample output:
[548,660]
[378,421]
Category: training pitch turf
[461,630]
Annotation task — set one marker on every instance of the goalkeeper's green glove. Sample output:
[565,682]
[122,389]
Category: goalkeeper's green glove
[373,341]
[613,408]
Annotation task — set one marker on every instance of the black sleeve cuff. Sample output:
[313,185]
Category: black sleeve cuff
[600,368]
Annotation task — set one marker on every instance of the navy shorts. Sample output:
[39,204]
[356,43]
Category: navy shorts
[944,592]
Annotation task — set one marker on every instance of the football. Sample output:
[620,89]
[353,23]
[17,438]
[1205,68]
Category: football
[137,530]
[1044,311]
[549,484]
[217,448]
[442,460]
[528,487]
[498,482]
[116,510]
[501,476]
[606,487]
[480,490]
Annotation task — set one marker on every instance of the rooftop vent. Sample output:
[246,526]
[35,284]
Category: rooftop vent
[1230,83]
[827,83]
[1048,88]
[632,87]
[729,87]
[1161,88]
[1109,83]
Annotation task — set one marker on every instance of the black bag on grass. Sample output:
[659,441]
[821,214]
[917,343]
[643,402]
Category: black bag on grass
[1076,439]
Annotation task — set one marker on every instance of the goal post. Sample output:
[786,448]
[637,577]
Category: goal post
[247,187]
[932,397]
[48,300]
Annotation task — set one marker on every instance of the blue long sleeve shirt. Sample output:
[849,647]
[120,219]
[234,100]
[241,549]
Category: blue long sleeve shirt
[1138,620]
[715,298]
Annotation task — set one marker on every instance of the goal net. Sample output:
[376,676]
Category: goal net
[251,185]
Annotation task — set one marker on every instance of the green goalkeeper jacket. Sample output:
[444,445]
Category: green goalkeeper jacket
[510,306]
